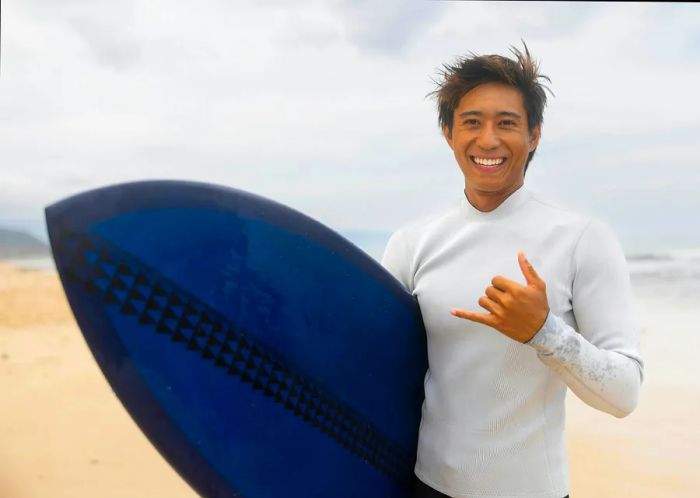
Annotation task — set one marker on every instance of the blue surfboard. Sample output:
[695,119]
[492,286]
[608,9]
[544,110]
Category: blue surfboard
[261,353]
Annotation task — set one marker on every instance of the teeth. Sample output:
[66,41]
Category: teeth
[488,162]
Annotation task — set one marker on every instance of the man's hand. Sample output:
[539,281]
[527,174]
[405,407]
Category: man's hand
[518,311]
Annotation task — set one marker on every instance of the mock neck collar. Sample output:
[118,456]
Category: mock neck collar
[509,205]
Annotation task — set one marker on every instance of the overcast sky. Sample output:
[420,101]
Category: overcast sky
[321,105]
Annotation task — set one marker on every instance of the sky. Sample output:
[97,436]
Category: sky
[322,106]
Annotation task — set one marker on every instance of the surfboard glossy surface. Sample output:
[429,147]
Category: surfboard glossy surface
[261,353]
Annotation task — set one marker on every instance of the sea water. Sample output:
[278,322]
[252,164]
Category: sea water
[44,263]
[667,290]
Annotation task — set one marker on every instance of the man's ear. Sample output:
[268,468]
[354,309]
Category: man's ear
[535,135]
[448,136]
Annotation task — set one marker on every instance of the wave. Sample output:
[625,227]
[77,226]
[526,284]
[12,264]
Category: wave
[680,266]
[692,254]
[31,263]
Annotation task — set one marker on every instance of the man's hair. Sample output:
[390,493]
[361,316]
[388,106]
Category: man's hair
[470,71]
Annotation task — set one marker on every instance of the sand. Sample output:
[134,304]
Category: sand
[65,434]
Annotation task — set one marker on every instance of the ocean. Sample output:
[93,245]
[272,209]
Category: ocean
[45,263]
[666,286]
[670,276]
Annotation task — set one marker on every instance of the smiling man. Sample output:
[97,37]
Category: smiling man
[561,317]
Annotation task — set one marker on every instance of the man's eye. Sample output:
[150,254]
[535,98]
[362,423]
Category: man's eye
[471,122]
[508,122]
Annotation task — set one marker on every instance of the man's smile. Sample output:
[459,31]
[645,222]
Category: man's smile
[489,163]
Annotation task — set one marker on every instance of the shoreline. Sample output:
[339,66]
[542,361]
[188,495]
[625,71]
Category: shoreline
[30,263]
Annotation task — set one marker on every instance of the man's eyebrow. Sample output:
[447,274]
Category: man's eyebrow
[499,113]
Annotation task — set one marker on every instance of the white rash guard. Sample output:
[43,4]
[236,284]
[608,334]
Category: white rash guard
[493,416]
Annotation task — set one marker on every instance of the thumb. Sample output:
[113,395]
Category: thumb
[529,272]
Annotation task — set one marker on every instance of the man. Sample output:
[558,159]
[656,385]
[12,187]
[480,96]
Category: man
[554,285]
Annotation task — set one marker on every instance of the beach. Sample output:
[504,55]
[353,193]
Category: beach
[65,434]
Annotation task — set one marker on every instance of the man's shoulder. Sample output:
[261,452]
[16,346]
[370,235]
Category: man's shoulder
[563,209]
[427,223]
[406,242]
[560,213]
[576,220]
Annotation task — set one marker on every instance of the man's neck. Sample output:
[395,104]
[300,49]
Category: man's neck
[487,201]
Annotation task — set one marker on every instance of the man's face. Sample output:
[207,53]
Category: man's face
[491,141]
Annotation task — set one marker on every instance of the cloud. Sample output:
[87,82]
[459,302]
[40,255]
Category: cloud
[322,106]
[389,26]
[108,42]
[482,23]
[105,28]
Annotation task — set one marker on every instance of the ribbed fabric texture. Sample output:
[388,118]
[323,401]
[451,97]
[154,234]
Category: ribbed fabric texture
[493,417]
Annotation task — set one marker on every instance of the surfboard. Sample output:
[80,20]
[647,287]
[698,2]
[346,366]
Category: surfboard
[261,353]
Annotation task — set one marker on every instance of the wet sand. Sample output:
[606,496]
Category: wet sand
[65,434]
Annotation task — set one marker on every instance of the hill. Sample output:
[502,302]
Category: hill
[15,244]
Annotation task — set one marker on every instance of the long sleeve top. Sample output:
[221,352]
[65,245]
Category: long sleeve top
[493,416]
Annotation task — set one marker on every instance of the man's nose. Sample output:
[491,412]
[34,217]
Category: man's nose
[487,138]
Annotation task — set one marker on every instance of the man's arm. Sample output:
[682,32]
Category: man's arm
[600,363]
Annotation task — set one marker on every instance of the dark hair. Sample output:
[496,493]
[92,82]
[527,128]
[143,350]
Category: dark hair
[470,71]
